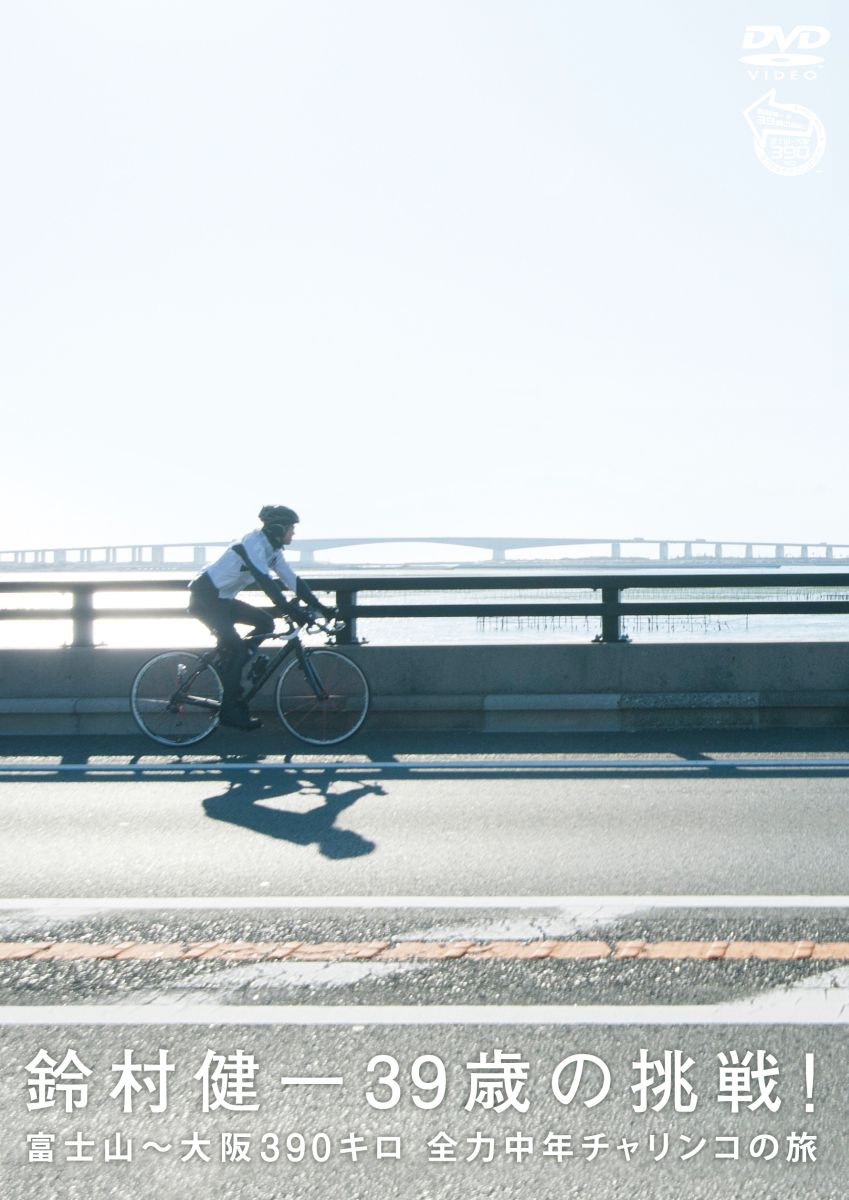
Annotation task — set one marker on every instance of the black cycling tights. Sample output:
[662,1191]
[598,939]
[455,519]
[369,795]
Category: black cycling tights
[222,617]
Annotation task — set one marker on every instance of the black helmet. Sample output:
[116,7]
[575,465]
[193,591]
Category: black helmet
[278,514]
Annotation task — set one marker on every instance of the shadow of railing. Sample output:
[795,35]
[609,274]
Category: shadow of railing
[690,754]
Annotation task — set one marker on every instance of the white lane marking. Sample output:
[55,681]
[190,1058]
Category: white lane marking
[560,764]
[527,928]
[825,1007]
[71,905]
[328,975]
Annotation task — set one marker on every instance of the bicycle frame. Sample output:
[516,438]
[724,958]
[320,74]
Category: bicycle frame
[293,646]
[213,658]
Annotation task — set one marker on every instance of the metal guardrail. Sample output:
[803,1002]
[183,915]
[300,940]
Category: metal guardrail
[610,606]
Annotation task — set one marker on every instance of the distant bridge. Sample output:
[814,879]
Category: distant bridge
[623,552]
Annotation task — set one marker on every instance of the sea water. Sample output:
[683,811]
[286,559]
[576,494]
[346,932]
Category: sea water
[179,630]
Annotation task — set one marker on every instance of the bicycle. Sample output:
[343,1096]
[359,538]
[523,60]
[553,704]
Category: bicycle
[322,697]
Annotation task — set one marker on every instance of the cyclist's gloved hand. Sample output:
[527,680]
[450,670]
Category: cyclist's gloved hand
[301,615]
[293,611]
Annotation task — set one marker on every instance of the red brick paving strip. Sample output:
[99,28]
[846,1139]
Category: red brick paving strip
[422,951]
[283,950]
[403,951]
[699,950]
[580,950]
[337,951]
[239,951]
[510,950]
[629,949]
[830,950]
[10,950]
[151,951]
[768,950]
[72,950]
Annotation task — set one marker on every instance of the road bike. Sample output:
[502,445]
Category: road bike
[322,697]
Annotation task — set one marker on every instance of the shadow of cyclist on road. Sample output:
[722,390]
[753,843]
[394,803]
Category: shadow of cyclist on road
[253,803]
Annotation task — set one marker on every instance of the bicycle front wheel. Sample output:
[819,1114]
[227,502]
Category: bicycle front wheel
[176,698]
[323,701]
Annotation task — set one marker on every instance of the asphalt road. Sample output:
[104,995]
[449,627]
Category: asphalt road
[710,1152]
[611,830]
[320,855]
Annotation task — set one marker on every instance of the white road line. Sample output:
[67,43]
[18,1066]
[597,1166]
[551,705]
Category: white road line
[560,764]
[191,903]
[823,1007]
[72,904]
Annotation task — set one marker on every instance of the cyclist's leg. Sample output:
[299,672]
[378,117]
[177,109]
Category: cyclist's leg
[236,654]
[221,617]
[217,615]
[248,614]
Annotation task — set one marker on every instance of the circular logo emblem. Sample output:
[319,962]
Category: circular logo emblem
[789,139]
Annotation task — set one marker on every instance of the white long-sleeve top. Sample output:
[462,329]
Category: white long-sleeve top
[230,575]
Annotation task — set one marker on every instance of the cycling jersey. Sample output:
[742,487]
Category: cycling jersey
[230,575]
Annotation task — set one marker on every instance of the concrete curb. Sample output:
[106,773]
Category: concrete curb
[493,713]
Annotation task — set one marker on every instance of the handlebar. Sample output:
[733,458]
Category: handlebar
[329,625]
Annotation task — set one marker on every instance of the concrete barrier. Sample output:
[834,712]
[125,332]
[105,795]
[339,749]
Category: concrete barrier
[496,689]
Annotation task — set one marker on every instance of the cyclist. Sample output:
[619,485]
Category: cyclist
[258,557]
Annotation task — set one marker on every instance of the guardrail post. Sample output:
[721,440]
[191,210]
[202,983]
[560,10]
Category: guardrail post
[82,615]
[346,603]
[611,618]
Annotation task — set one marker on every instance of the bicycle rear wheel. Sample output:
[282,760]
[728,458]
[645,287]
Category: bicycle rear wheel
[176,698]
[324,701]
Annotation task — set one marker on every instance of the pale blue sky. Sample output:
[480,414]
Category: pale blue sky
[503,266]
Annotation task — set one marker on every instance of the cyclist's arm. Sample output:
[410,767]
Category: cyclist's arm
[301,589]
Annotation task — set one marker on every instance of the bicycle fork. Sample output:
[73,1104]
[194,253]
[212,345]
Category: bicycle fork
[312,676]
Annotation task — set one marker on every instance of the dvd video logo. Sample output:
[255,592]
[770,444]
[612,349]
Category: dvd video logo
[803,37]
